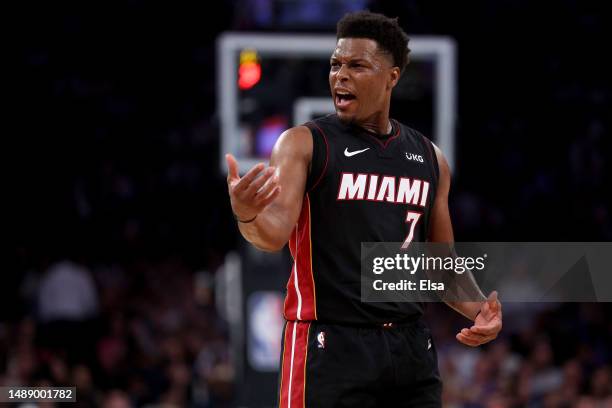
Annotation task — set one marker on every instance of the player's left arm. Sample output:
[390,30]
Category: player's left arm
[487,314]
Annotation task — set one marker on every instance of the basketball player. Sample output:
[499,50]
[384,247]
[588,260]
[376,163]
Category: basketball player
[327,189]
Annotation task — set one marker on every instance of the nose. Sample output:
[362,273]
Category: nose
[342,73]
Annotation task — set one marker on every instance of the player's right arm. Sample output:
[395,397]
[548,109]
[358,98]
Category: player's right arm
[272,197]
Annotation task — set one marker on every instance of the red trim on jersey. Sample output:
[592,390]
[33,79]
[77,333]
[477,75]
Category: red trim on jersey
[285,346]
[300,302]
[326,156]
[293,369]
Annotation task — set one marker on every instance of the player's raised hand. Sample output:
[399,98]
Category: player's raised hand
[487,325]
[252,193]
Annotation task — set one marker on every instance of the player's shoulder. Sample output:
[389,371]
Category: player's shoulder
[418,137]
[329,119]
[330,123]
[409,131]
[296,140]
[440,161]
[300,131]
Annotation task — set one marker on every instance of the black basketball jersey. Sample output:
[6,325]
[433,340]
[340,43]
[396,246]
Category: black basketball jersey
[361,188]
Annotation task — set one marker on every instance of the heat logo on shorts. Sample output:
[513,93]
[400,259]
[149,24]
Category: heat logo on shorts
[321,340]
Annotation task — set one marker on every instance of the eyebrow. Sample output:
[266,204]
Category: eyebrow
[350,60]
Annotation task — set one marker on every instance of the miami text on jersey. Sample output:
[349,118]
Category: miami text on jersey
[375,187]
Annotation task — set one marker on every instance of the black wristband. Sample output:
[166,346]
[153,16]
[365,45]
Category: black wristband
[244,222]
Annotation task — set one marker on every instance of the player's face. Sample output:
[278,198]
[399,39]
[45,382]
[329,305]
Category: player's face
[361,78]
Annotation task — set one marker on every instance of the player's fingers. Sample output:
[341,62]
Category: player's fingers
[474,336]
[271,197]
[466,340]
[257,184]
[471,338]
[264,191]
[248,178]
[477,342]
[493,302]
[485,330]
[232,168]
[483,333]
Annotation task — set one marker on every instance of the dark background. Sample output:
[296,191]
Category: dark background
[116,169]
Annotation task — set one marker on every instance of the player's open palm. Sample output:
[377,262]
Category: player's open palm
[487,325]
[253,192]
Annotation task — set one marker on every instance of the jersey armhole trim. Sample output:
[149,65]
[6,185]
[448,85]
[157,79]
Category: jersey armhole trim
[316,183]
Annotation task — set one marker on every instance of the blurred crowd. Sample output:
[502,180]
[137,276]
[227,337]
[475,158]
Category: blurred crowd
[148,335]
[549,356]
[144,334]
[120,216]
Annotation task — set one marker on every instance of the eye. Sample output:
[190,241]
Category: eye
[335,64]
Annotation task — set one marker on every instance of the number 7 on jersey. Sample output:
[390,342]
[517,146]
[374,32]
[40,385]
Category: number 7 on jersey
[412,217]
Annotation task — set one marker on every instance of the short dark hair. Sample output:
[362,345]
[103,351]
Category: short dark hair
[382,29]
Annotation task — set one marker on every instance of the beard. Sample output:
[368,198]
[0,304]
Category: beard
[352,120]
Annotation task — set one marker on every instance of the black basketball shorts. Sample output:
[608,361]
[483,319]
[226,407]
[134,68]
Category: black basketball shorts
[330,365]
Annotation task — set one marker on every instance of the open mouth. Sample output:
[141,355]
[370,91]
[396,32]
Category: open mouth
[344,99]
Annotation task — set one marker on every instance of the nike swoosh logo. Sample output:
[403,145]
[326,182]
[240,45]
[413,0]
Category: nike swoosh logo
[349,154]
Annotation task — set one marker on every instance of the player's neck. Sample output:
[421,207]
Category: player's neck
[381,126]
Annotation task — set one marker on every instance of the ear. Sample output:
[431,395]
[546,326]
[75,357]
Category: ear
[394,76]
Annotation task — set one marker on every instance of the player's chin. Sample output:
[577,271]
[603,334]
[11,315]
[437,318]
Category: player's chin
[345,115]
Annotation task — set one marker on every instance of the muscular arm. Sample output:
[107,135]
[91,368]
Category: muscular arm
[281,190]
[441,230]
[486,314]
